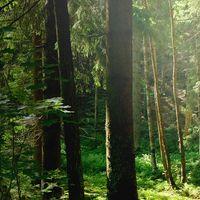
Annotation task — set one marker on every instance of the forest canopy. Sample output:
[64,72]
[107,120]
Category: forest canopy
[99,99]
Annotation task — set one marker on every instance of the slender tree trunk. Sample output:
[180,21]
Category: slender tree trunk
[198,95]
[95,107]
[38,95]
[121,175]
[176,103]
[137,89]
[188,119]
[161,132]
[51,136]
[162,140]
[71,130]
[149,108]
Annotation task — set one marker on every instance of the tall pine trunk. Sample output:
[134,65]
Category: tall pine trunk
[160,123]
[137,90]
[149,108]
[198,115]
[51,136]
[162,140]
[176,103]
[121,176]
[71,130]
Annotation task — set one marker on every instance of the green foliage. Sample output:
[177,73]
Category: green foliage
[195,174]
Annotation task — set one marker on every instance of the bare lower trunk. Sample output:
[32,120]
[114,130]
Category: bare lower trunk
[162,140]
[96,107]
[51,136]
[121,177]
[176,103]
[161,132]
[137,89]
[71,130]
[38,95]
[149,109]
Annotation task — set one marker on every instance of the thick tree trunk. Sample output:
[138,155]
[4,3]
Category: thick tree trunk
[149,108]
[176,103]
[162,140]
[121,177]
[51,136]
[71,130]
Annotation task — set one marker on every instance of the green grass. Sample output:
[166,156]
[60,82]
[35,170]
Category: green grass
[150,186]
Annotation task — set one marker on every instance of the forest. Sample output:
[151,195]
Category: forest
[99,99]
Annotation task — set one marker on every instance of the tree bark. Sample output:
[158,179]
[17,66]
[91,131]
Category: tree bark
[51,136]
[176,103]
[162,140]
[149,108]
[121,175]
[71,130]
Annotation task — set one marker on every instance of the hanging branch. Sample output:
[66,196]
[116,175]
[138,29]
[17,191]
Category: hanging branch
[7,4]
[21,16]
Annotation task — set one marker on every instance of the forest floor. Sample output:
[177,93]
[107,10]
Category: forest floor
[149,186]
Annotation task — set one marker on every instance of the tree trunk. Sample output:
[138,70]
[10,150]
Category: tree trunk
[51,136]
[162,140]
[95,107]
[121,175]
[149,108]
[38,95]
[71,130]
[176,103]
[137,89]
[161,132]
[198,95]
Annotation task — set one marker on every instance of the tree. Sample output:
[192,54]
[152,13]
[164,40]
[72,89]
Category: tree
[51,136]
[149,107]
[176,103]
[38,94]
[137,88]
[71,130]
[162,138]
[121,177]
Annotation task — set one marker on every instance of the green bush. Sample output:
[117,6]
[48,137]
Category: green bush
[93,162]
[195,174]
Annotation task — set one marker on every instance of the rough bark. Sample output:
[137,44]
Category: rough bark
[51,136]
[149,108]
[176,103]
[121,177]
[71,130]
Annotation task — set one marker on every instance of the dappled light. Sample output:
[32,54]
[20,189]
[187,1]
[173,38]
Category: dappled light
[99,100]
